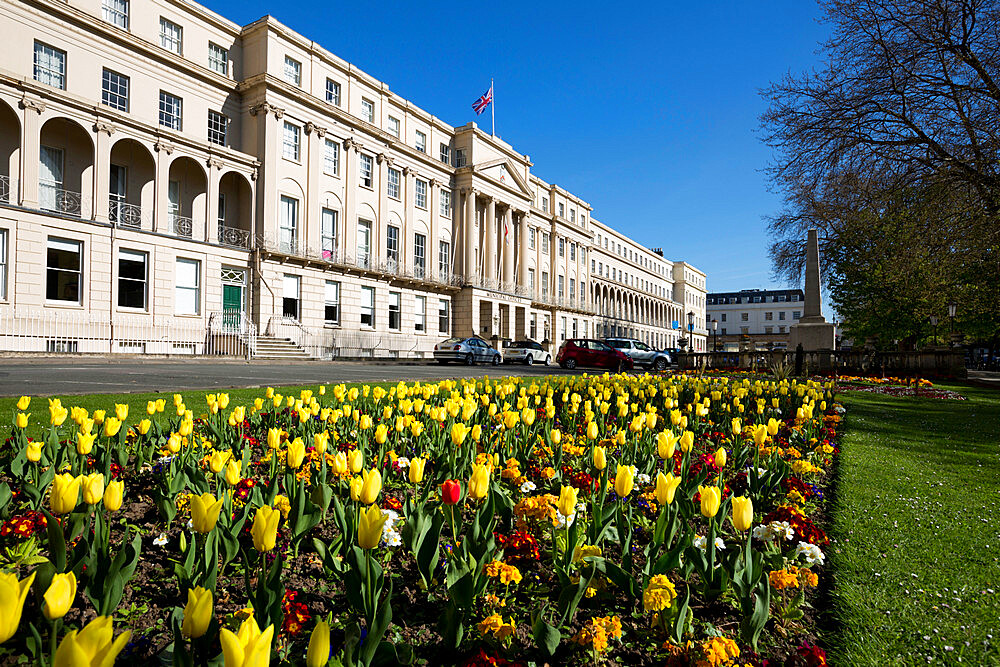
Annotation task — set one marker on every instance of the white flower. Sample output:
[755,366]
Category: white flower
[528,487]
[392,538]
[564,521]
[390,518]
[811,552]
[190,524]
[161,540]
[701,542]
[642,479]
[403,462]
[763,533]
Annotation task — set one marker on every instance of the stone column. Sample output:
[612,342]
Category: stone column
[433,202]
[812,307]
[430,250]
[469,232]
[507,234]
[102,170]
[268,152]
[161,219]
[310,226]
[491,240]
[31,150]
[380,232]
[408,186]
[522,254]
[212,195]
[349,222]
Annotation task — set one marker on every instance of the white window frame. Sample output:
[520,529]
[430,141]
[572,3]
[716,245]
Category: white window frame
[460,158]
[392,183]
[292,71]
[444,258]
[116,12]
[392,243]
[288,224]
[393,126]
[420,194]
[171,111]
[420,141]
[420,314]
[395,311]
[4,235]
[329,233]
[420,254]
[218,127]
[136,255]
[444,153]
[180,289]
[65,245]
[49,65]
[367,305]
[332,92]
[531,238]
[331,158]
[115,90]
[444,196]
[444,316]
[218,59]
[366,167]
[171,36]
[290,141]
[367,110]
[331,299]
[295,300]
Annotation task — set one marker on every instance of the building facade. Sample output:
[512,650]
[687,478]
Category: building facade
[760,317]
[172,182]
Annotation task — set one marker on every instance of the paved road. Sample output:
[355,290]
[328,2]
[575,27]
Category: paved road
[51,376]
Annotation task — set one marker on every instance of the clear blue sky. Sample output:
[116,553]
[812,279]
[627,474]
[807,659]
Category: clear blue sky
[647,111]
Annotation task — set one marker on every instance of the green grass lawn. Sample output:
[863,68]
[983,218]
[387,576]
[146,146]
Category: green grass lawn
[916,561]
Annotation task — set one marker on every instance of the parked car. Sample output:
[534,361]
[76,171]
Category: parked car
[592,354]
[526,352]
[642,354]
[467,350]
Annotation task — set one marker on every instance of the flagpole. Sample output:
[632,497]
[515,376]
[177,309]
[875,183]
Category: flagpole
[493,110]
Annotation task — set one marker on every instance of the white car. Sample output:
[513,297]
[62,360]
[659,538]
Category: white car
[466,350]
[526,352]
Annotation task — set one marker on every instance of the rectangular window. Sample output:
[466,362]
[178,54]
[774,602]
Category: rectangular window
[531,281]
[562,328]
[394,316]
[293,71]
[364,242]
[460,159]
[421,142]
[218,59]
[171,36]
[545,284]
[562,247]
[392,183]
[745,331]
[444,319]
[217,124]
[170,111]
[329,232]
[368,109]
[365,167]
[187,288]
[723,317]
[288,225]
[132,279]
[545,204]
[781,315]
[572,289]
[114,90]
[290,289]
[723,331]
[560,283]
[781,329]
[768,316]
[368,306]
[333,92]
[445,153]
[420,194]
[394,127]
[64,271]
[444,258]
[290,142]
[574,327]
[531,238]
[769,330]
[419,254]
[331,308]
[572,218]
[50,65]
[744,317]
[331,158]
[420,314]
[572,252]
[3,264]
[115,12]
[445,198]
[545,243]
[562,209]
[392,243]
[533,327]
[796,315]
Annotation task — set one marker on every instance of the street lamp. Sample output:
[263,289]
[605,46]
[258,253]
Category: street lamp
[952,307]
[934,323]
[691,330]
[715,335]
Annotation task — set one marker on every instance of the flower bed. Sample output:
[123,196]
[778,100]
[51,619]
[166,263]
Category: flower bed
[638,519]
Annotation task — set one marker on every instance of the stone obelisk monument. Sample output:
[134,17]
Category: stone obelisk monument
[812,330]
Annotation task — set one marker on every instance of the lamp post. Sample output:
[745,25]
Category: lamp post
[934,323]
[952,307]
[715,335]
[691,329]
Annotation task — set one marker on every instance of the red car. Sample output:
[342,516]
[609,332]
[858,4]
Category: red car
[591,353]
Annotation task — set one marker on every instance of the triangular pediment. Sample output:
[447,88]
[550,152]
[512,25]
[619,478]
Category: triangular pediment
[502,171]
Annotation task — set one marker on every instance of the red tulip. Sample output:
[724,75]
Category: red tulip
[451,492]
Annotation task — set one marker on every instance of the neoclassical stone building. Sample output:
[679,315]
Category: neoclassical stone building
[171,182]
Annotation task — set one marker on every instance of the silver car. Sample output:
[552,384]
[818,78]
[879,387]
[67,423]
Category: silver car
[642,354]
[526,352]
[466,350]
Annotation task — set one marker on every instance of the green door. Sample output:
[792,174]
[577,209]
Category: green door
[232,305]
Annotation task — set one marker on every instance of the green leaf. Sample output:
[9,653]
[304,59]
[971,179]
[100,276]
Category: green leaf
[546,637]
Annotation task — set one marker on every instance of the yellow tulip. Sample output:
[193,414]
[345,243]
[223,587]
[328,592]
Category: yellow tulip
[687,441]
[370,523]
[114,494]
[476,432]
[666,486]
[23,402]
[339,463]
[711,498]
[381,434]
[99,416]
[357,482]
[265,528]
[356,460]
[34,451]
[624,480]
[416,471]
[479,482]
[365,422]
[219,460]
[59,596]
[197,613]
[556,436]
[273,438]
[249,647]
[527,416]
[296,453]
[223,401]
[458,433]
[21,420]
[567,500]
[93,488]
[720,457]
[592,431]
[64,493]
[150,408]
[186,427]
[772,426]
[57,415]
[666,443]
[416,428]
[205,512]
[95,645]
[737,426]
[371,486]
[620,437]
[650,420]
[121,411]
[174,443]
[239,413]
[742,513]
[318,654]
[85,443]
[600,457]
[320,441]
[760,434]
[12,596]
[144,426]
[234,472]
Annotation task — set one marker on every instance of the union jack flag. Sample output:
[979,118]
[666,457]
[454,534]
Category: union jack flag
[479,106]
